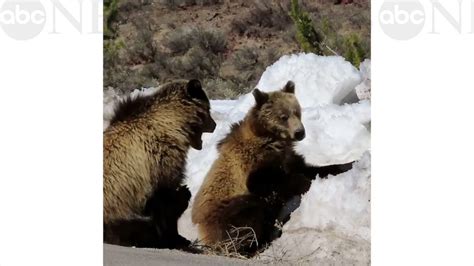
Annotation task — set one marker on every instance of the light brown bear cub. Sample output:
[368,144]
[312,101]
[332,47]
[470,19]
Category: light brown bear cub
[145,150]
[258,179]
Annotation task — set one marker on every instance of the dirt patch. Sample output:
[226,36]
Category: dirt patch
[122,256]
[226,44]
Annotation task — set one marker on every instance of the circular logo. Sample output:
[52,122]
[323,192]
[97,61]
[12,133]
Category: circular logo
[22,20]
[402,20]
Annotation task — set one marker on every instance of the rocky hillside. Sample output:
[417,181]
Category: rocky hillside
[226,44]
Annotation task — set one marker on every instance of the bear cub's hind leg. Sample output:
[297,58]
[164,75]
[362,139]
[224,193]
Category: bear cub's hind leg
[248,218]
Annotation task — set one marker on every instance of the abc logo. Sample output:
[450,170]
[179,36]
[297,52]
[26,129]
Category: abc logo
[402,20]
[22,20]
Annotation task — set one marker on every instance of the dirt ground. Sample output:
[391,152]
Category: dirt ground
[124,256]
[235,42]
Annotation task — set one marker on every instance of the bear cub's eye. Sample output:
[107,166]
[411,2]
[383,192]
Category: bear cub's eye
[284,117]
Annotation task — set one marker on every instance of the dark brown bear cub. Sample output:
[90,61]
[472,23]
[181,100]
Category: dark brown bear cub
[145,150]
[258,179]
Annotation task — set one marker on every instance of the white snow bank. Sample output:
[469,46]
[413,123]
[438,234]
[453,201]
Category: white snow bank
[335,133]
[332,224]
[319,80]
[308,246]
[363,90]
[340,203]
[333,220]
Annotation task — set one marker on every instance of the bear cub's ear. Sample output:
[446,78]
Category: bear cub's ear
[194,90]
[260,97]
[289,87]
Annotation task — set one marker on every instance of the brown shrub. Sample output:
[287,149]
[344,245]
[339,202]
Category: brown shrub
[264,18]
[181,40]
[251,61]
[172,4]
[143,48]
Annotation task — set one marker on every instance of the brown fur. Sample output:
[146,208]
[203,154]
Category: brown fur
[145,147]
[265,134]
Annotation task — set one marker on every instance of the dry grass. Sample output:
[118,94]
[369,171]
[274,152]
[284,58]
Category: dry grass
[265,19]
[281,257]
[344,31]
[226,44]
[144,48]
[248,64]
[241,237]
[219,88]
[192,53]
[238,239]
[173,4]
[183,39]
